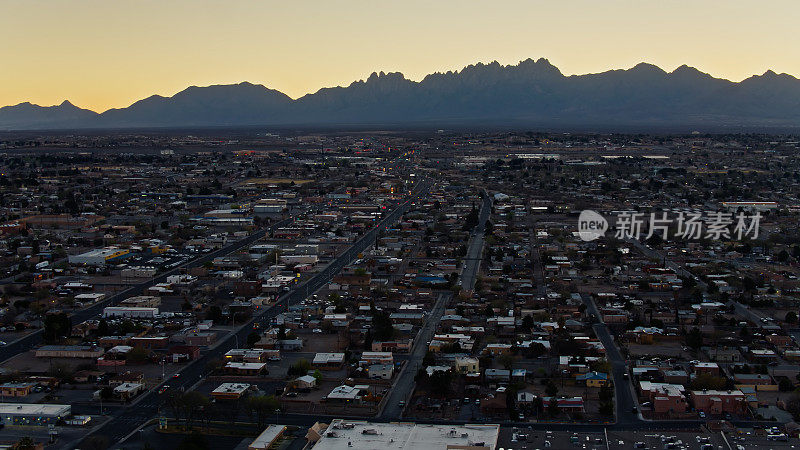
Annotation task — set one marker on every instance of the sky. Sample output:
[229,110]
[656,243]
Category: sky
[110,53]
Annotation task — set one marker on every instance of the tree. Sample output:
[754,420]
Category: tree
[194,441]
[56,327]
[192,403]
[694,338]
[252,338]
[382,324]
[506,360]
[214,313]
[552,407]
[527,323]
[785,385]
[137,355]
[95,443]
[107,393]
[440,382]
[261,406]
[25,443]
[102,328]
[429,359]
[300,368]
[551,389]
[708,381]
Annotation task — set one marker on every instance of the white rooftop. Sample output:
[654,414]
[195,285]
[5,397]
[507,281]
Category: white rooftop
[12,409]
[359,435]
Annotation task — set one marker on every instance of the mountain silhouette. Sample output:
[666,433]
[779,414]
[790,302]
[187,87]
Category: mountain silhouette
[29,116]
[531,93]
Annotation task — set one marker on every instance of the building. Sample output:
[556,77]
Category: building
[362,435]
[230,391]
[99,257]
[329,361]
[142,301]
[33,413]
[345,394]
[305,382]
[571,404]
[592,379]
[150,342]
[130,312]
[380,371]
[369,358]
[710,368]
[200,339]
[718,402]
[243,368]
[127,391]
[267,438]
[669,403]
[15,389]
[69,351]
[467,364]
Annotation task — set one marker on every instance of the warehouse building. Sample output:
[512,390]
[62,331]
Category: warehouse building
[100,256]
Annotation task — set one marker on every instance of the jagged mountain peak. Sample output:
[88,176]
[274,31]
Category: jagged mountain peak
[533,91]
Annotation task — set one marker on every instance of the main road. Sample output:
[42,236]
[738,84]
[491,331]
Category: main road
[126,421]
[622,388]
[404,384]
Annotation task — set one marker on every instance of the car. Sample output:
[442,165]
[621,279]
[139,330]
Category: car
[2,343]
[702,415]
[401,403]
[634,410]
[176,375]
[163,389]
[316,331]
[477,401]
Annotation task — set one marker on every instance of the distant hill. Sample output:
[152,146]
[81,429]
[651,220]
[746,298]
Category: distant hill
[29,116]
[532,93]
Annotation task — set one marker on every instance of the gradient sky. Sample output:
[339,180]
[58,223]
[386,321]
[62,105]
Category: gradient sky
[110,53]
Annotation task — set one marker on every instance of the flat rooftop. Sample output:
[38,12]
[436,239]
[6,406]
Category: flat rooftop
[357,435]
[33,409]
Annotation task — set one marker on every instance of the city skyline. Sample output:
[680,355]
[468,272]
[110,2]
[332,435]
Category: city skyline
[102,56]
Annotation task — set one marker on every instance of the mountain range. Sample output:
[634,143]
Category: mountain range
[531,93]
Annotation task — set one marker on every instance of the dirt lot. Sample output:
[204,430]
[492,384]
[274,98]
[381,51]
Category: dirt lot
[663,349]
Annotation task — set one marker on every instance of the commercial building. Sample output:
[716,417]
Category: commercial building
[267,438]
[33,414]
[142,301]
[243,368]
[328,360]
[230,391]
[15,389]
[130,312]
[360,435]
[127,391]
[99,257]
[69,351]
